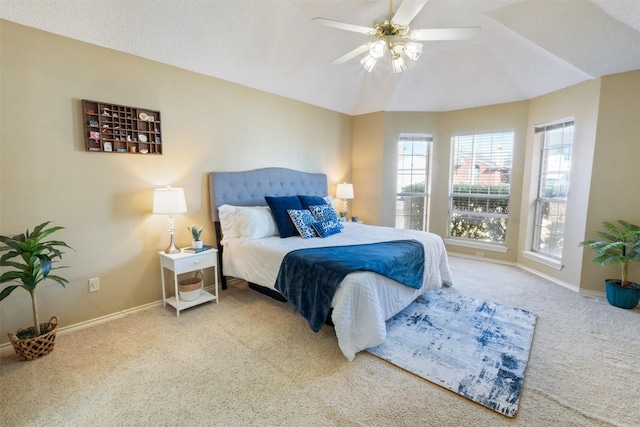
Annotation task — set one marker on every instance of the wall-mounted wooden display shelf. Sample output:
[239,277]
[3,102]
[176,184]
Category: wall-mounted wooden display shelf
[116,128]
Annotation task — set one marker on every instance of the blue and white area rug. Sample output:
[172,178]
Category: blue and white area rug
[475,348]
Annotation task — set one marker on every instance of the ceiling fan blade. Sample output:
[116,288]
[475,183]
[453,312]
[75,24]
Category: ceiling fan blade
[461,33]
[407,11]
[344,26]
[350,55]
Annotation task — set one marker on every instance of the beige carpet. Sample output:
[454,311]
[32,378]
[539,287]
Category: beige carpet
[253,361]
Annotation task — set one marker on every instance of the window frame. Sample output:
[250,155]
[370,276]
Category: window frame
[541,131]
[426,194]
[500,136]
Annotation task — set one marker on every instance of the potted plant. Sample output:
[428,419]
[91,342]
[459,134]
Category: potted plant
[618,245]
[30,260]
[195,234]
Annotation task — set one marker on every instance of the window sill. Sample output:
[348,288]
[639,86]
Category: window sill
[476,245]
[549,262]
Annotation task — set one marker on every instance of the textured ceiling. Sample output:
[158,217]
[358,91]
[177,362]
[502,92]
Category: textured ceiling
[527,47]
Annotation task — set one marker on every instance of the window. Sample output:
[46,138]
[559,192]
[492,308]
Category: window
[413,181]
[553,186]
[480,186]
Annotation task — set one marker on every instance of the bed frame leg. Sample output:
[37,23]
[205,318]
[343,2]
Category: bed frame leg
[268,292]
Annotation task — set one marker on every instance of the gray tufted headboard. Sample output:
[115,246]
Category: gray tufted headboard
[248,188]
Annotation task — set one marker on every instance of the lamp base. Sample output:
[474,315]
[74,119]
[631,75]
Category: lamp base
[172,249]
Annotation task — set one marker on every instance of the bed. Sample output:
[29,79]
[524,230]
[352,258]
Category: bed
[251,249]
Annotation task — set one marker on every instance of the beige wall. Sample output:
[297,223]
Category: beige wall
[579,102]
[375,139]
[511,116]
[603,185]
[104,200]
[367,170]
[615,184]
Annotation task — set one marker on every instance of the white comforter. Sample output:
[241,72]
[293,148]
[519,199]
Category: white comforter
[364,300]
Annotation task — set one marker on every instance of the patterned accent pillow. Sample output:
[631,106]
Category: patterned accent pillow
[325,212]
[327,227]
[303,219]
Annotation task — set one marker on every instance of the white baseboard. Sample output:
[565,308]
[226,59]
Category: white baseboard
[103,319]
[532,271]
[96,321]
[549,278]
[479,258]
[107,318]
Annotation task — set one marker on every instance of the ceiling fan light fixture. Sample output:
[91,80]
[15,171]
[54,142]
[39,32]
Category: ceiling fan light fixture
[393,35]
[377,49]
[413,50]
[398,63]
[368,62]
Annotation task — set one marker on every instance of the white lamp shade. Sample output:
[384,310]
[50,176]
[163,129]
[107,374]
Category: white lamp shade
[377,49]
[413,50]
[344,191]
[169,201]
[398,63]
[368,62]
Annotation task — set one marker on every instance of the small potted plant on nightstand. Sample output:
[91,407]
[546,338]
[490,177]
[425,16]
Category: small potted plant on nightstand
[195,234]
[618,246]
[31,261]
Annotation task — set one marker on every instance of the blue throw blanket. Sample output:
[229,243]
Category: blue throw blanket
[309,278]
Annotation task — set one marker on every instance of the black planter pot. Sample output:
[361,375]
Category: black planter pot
[622,296]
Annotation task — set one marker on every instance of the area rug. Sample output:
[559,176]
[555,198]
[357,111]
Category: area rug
[475,348]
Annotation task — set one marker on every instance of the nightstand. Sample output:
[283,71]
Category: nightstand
[186,262]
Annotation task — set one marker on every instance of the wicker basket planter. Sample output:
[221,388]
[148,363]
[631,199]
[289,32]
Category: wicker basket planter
[189,289]
[33,348]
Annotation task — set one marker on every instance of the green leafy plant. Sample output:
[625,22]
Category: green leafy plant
[195,232]
[31,261]
[618,245]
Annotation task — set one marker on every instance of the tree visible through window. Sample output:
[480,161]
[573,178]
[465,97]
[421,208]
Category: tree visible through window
[413,181]
[553,188]
[480,186]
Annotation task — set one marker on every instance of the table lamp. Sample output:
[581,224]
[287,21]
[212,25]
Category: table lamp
[169,201]
[344,192]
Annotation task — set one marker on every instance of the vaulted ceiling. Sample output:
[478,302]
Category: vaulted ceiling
[527,48]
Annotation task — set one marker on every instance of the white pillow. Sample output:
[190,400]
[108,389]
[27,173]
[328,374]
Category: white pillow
[255,222]
[227,216]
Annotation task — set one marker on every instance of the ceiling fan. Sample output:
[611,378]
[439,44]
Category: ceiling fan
[396,38]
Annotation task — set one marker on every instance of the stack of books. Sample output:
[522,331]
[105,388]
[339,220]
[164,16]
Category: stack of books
[196,250]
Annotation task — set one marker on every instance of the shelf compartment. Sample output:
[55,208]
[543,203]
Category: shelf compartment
[121,126]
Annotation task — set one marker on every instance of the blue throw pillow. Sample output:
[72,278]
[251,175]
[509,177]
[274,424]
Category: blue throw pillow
[303,219]
[307,201]
[325,212]
[279,207]
[327,227]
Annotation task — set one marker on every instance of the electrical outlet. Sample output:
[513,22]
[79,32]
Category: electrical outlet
[94,284]
[480,254]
